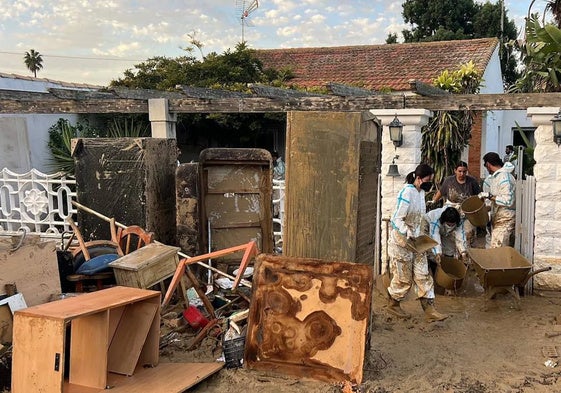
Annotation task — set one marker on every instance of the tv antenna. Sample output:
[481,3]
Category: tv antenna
[245,8]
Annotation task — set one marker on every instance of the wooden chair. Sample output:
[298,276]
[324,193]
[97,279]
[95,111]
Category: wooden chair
[92,252]
[132,238]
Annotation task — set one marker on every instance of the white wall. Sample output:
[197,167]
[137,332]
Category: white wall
[24,138]
[498,125]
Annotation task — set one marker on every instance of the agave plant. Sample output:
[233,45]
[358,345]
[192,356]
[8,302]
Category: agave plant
[448,132]
[125,127]
[60,143]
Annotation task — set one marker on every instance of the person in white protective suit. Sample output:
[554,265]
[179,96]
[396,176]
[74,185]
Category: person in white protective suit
[445,226]
[407,266]
[500,190]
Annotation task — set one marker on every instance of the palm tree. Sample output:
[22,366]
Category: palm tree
[554,7]
[33,61]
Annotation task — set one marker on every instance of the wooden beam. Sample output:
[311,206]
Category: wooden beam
[424,89]
[342,90]
[53,105]
[18,102]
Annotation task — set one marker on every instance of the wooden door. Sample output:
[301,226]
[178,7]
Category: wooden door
[38,354]
[236,194]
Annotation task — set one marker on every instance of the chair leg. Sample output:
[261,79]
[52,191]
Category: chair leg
[79,286]
[99,284]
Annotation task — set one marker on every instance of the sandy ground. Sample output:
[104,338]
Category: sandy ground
[500,349]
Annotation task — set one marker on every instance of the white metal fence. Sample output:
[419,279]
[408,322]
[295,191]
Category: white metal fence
[35,202]
[39,203]
[278,212]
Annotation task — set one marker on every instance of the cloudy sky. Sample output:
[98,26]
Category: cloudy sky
[90,41]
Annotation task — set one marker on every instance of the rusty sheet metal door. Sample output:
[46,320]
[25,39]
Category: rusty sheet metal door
[236,195]
[309,317]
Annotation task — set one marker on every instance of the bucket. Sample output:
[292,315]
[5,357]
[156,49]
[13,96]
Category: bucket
[233,351]
[450,274]
[476,211]
[194,317]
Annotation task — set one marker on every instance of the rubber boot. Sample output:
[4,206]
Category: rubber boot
[395,308]
[431,315]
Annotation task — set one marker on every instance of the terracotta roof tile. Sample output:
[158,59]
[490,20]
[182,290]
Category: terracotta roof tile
[378,67]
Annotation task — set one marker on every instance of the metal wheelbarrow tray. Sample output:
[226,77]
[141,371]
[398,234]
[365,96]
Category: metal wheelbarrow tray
[502,269]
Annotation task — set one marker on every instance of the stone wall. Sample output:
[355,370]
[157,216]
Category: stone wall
[547,171]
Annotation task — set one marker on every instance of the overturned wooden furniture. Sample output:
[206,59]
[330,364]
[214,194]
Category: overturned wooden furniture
[132,238]
[114,333]
[332,185]
[147,266]
[90,252]
[309,318]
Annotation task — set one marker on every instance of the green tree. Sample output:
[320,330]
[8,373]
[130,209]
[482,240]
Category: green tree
[448,132]
[231,70]
[391,38]
[440,20]
[33,61]
[541,56]
[160,73]
[427,17]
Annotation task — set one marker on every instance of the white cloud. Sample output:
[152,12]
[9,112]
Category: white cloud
[139,29]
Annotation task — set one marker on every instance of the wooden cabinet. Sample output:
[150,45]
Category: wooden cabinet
[111,331]
[146,266]
[236,200]
[333,162]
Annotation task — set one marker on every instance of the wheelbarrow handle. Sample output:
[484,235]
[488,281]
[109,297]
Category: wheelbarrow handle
[530,274]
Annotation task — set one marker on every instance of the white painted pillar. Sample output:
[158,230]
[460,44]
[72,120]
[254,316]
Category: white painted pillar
[162,122]
[409,157]
[547,225]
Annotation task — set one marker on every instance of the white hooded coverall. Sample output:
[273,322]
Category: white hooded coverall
[502,186]
[407,266]
[451,242]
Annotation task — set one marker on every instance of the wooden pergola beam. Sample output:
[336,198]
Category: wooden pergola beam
[19,102]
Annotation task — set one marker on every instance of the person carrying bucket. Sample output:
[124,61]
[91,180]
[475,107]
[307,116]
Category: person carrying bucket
[445,226]
[499,188]
[455,190]
[408,266]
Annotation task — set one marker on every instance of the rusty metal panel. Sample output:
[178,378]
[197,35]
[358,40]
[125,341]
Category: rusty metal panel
[236,199]
[333,160]
[309,317]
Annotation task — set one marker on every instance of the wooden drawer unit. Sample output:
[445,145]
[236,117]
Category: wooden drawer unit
[112,331]
[146,266]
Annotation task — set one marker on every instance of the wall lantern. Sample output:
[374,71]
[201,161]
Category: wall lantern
[393,170]
[396,131]
[556,121]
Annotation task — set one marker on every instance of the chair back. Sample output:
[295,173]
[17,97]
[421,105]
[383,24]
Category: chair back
[132,238]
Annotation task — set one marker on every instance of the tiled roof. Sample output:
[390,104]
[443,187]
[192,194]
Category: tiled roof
[57,82]
[378,67]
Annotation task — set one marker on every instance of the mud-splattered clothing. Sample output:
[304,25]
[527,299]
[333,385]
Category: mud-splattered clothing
[450,242]
[454,193]
[407,266]
[501,185]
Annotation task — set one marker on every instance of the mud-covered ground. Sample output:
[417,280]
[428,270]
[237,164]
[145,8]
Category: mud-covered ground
[474,351]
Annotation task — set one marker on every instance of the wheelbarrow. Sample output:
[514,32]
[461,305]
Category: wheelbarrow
[502,270]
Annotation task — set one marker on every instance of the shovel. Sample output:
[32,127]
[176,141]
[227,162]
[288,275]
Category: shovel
[383,281]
